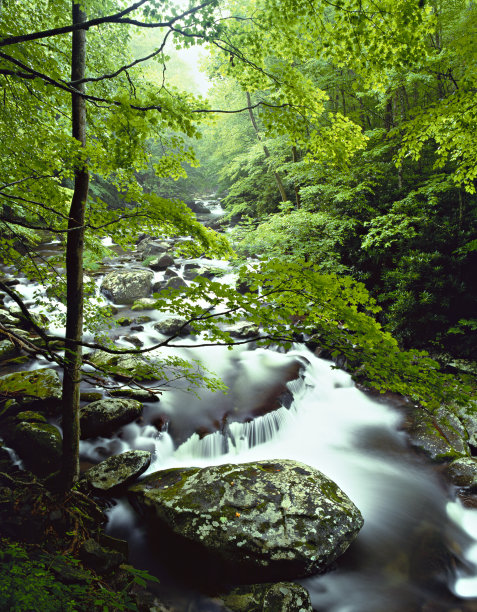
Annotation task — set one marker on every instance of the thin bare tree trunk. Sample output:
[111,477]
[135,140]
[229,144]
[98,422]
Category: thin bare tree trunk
[74,269]
[297,189]
[278,179]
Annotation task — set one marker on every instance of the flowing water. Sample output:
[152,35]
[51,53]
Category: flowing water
[418,548]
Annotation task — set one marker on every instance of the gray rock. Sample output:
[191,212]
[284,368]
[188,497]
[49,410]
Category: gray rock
[124,287]
[269,597]
[468,416]
[170,273]
[172,326]
[134,340]
[124,366]
[276,518]
[118,471]
[440,436]
[243,330]
[176,282]
[150,247]
[6,318]
[463,472]
[7,349]
[104,417]
[191,271]
[161,263]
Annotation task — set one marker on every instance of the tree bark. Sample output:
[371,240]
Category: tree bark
[74,268]
[278,179]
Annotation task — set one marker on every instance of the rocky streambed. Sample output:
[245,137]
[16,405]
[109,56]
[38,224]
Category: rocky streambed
[233,487]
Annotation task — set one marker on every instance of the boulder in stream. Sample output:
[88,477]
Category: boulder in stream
[172,326]
[278,518]
[161,263]
[149,246]
[126,286]
[106,416]
[243,330]
[117,471]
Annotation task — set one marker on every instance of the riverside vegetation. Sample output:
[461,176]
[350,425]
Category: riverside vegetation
[342,139]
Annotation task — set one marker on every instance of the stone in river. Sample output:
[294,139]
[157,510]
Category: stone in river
[117,471]
[106,416]
[124,287]
[278,518]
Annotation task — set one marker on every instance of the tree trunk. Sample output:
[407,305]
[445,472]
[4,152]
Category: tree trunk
[278,179]
[297,189]
[74,269]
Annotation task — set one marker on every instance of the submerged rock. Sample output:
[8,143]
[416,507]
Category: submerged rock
[281,517]
[268,597]
[118,471]
[124,287]
[106,416]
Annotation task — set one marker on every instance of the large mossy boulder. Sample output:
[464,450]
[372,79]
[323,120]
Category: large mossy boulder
[126,286]
[278,519]
[37,444]
[106,416]
[123,367]
[117,471]
[268,597]
[173,326]
[39,389]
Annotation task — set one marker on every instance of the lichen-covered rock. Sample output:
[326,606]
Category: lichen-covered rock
[7,349]
[463,472]
[106,416]
[39,388]
[124,287]
[279,518]
[269,597]
[440,436]
[172,326]
[243,330]
[118,471]
[468,416]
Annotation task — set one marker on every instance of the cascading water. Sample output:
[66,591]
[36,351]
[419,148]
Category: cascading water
[417,550]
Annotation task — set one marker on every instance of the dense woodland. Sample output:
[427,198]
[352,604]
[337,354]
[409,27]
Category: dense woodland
[340,136]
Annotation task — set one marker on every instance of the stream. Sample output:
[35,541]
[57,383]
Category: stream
[417,550]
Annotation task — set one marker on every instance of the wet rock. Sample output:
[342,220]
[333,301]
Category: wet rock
[7,349]
[29,416]
[141,395]
[106,416]
[191,271]
[176,282]
[39,389]
[37,444]
[198,207]
[276,518]
[100,559]
[161,263]
[134,340]
[144,304]
[243,330]
[148,247]
[468,416]
[118,471]
[6,318]
[170,273]
[173,326]
[463,472]
[441,435]
[268,597]
[124,287]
